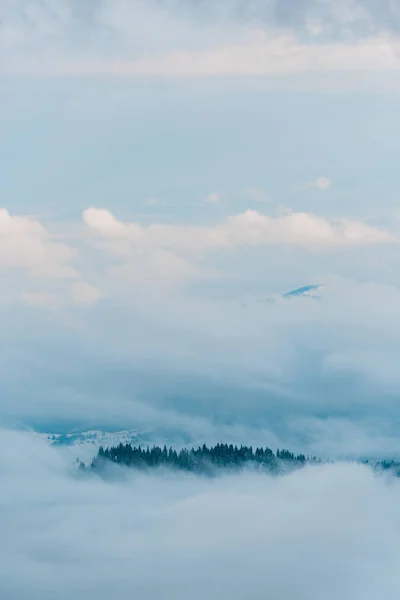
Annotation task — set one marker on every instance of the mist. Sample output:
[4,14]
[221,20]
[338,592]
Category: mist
[324,532]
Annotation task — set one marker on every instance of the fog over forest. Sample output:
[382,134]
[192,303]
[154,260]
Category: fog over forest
[325,531]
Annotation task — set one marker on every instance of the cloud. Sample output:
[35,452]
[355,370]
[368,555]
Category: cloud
[79,293]
[329,19]
[258,55]
[183,363]
[248,228]
[332,528]
[302,229]
[25,243]
[359,17]
[197,40]
[170,335]
[42,270]
[41,300]
[321,183]
[84,293]
[50,272]
[185,366]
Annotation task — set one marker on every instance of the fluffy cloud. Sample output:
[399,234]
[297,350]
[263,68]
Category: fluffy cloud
[47,267]
[332,529]
[25,243]
[197,360]
[248,228]
[158,252]
[172,254]
[299,229]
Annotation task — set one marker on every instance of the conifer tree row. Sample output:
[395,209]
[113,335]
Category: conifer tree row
[203,459]
[208,460]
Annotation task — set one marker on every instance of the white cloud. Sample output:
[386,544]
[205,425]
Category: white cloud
[174,254]
[258,55]
[157,266]
[204,367]
[326,532]
[47,267]
[137,39]
[25,243]
[299,229]
[104,223]
[321,183]
[248,228]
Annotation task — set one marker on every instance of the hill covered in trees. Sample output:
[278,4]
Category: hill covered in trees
[203,459]
[212,460]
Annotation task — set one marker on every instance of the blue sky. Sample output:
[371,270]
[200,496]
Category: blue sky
[161,167]
[163,147]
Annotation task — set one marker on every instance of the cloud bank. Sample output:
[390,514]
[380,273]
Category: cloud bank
[323,533]
[158,298]
[159,252]
[94,307]
[198,39]
[249,228]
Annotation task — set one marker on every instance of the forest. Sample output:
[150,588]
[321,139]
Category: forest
[203,459]
[211,460]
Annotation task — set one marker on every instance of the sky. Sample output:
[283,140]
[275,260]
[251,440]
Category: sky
[168,171]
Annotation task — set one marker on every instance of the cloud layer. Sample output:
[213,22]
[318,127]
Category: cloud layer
[198,39]
[150,294]
[156,299]
[323,533]
[167,248]
[159,307]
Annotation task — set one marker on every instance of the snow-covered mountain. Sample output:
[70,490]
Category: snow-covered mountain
[84,445]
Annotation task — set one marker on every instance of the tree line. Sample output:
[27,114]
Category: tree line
[203,459]
[209,460]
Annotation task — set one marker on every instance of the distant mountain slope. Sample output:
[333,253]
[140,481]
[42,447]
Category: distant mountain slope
[308,290]
[311,291]
[85,444]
